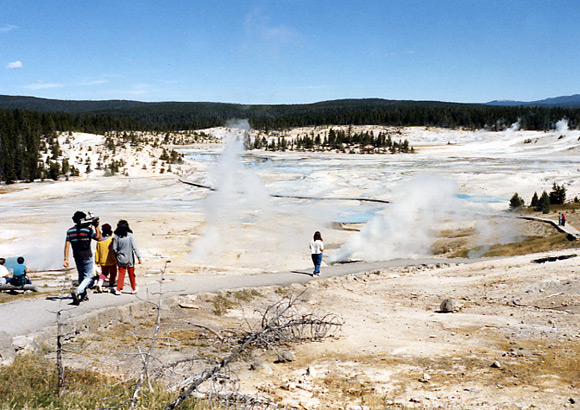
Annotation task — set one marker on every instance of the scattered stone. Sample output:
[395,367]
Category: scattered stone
[496,365]
[188,306]
[24,344]
[425,378]
[7,350]
[260,365]
[310,371]
[571,400]
[448,305]
[286,357]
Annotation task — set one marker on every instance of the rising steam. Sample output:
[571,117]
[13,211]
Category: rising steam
[405,229]
[239,193]
[244,225]
[562,126]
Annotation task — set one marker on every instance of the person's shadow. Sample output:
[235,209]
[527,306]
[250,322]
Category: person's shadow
[301,272]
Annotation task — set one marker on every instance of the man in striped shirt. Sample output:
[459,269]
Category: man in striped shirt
[79,238]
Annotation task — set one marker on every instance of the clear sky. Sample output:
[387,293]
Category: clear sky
[290,51]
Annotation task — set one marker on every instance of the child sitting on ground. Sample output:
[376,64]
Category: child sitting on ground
[4,274]
[19,276]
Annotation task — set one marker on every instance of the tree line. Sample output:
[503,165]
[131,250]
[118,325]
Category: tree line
[542,203]
[101,116]
[24,136]
[182,116]
[334,140]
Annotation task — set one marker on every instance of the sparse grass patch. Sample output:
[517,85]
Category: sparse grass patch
[31,383]
[246,295]
[222,305]
[6,296]
[457,233]
[281,291]
[532,245]
[528,245]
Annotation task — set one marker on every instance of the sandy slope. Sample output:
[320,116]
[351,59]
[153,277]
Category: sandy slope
[523,315]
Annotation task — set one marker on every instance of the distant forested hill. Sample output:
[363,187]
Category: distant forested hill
[69,106]
[99,116]
[569,101]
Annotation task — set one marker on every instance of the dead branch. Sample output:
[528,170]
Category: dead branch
[249,402]
[292,327]
[60,336]
[147,356]
[59,365]
[280,309]
[209,329]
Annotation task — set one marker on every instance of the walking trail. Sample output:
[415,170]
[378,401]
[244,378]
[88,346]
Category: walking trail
[28,316]
[573,233]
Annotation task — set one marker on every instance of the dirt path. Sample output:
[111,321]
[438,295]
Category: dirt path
[36,314]
[568,229]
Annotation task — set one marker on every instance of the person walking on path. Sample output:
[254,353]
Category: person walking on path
[79,237]
[316,249]
[563,220]
[125,249]
[105,258]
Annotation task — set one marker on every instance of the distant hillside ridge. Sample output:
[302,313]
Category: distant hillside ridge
[69,106]
[568,101]
[101,116]
[84,106]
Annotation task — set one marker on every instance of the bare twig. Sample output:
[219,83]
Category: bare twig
[143,376]
[268,325]
[215,332]
[60,336]
[59,365]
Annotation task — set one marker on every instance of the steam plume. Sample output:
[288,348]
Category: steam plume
[404,230]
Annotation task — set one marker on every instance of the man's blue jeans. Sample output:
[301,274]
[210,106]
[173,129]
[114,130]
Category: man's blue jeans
[86,279]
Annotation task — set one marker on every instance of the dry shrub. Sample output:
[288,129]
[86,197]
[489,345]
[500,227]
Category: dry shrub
[31,382]
[532,245]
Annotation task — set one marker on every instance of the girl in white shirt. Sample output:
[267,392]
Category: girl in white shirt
[316,249]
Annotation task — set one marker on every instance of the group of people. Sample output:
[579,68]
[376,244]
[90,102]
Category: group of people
[19,275]
[561,219]
[115,255]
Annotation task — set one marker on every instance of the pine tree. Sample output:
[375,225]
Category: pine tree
[558,194]
[544,204]
[516,202]
[535,200]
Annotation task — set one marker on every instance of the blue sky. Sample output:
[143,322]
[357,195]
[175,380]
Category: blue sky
[290,51]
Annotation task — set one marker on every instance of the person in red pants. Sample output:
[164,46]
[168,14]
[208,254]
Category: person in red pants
[125,249]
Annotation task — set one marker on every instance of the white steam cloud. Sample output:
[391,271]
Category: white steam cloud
[245,226]
[239,194]
[514,127]
[562,126]
[405,229]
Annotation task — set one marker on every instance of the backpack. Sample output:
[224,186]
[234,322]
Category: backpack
[18,280]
